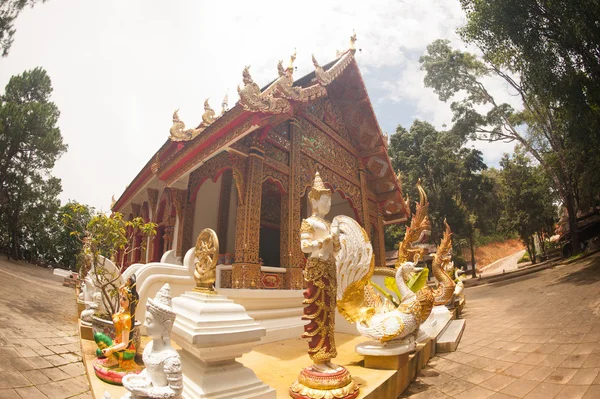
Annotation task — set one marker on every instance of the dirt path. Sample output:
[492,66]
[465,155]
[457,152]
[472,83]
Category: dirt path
[503,265]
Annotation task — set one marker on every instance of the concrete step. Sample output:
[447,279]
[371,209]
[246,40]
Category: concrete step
[448,341]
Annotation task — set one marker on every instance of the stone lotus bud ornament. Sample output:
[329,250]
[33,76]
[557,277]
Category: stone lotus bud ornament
[162,378]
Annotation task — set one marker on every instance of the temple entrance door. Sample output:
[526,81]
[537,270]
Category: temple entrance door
[270,224]
[215,202]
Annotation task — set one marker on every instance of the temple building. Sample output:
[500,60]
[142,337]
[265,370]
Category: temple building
[245,172]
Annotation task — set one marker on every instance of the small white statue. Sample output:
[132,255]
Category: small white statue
[81,295]
[162,378]
[91,307]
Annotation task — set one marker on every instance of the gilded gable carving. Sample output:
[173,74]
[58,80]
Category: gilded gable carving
[318,145]
[276,153]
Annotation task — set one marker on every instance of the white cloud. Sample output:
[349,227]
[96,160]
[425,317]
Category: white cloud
[120,68]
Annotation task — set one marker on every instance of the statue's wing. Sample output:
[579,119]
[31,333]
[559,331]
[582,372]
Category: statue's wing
[354,257]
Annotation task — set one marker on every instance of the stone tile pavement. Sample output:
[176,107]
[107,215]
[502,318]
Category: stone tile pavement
[534,337]
[40,356]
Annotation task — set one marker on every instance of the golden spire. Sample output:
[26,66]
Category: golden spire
[225,103]
[318,188]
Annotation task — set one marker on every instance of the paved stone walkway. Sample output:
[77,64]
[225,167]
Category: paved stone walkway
[40,355]
[538,337]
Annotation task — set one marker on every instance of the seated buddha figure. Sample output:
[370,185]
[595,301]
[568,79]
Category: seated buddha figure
[162,376]
[117,357]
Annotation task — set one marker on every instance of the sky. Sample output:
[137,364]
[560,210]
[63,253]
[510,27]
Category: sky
[120,68]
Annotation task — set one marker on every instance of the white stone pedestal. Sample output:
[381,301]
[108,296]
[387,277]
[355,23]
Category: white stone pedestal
[435,324]
[213,331]
[394,348]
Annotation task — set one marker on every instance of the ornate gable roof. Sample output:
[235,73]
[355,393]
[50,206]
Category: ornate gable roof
[347,110]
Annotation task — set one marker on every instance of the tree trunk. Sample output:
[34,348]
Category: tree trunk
[14,242]
[472,245]
[570,205]
[532,254]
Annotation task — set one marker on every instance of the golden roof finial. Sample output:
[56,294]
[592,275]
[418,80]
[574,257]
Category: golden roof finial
[246,75]
[318,188]
[113,201]
[292,59]
[208,116]
[352,41]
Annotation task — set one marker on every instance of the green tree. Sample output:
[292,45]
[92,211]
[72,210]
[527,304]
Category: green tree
[451,176]
[105,237]
[39,226]
[539,128]
[72,216]
[9,10]
[30,144]
[552,45]
[527,199]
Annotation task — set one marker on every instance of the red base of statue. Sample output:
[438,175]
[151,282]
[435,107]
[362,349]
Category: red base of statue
[313,383]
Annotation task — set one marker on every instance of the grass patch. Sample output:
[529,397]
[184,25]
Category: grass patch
[524,258]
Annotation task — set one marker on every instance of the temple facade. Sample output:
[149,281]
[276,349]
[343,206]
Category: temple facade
[245,172]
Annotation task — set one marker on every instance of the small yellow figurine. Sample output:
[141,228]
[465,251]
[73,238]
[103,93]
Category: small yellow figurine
[116,358]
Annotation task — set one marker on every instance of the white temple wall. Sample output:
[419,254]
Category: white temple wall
[340,206]
[207,207]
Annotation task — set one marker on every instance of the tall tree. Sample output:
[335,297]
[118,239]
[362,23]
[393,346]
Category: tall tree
[450,175]
[527,199]
[9,10]
[30,144]
[553,45]
[71,217]
[545,133]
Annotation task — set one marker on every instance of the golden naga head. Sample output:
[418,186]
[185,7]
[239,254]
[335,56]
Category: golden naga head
[419,226]
[246,76]
[352,47]
[318,188]
[315,62]
[292,59]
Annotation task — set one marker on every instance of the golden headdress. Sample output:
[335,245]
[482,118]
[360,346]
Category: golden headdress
[318,188]
[129,290]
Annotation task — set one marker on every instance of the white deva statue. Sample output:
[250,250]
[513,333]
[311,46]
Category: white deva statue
[91,307]
[162,378]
